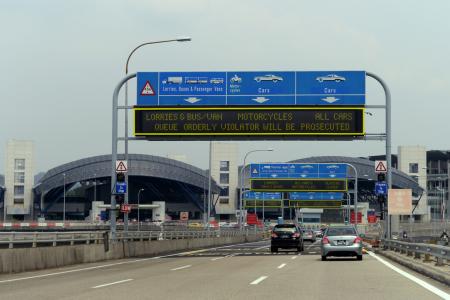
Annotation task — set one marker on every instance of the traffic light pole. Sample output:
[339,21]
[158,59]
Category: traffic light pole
[387,94]
[115,113]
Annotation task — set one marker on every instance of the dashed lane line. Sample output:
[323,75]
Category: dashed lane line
[281,266]
[118,263]
[108,284]
[257,281]
[181,268]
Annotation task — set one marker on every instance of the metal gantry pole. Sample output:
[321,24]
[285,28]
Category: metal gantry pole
[64,199]
[112,215]
[209,184]
[388,143]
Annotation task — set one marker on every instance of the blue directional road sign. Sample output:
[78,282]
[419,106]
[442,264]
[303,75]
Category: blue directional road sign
[316,196]
[298,170]
[250,195]
[121,187]
[262,88]
[381,188]
[331,88]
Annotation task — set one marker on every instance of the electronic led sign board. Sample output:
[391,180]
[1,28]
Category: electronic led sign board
[163,123]
[315,203]
[263,203]
[300,185]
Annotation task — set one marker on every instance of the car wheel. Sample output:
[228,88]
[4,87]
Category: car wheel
[320,80]
[359,257]
[273,249]
[275,80]
[324,258]
[299,249]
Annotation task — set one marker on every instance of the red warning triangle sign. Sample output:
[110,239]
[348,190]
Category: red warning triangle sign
[147,90]
[381,167]
[121,167]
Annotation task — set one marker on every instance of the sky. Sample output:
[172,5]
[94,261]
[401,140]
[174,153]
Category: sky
[61,60]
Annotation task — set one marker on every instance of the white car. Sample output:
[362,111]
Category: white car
[330,77]
[268,77]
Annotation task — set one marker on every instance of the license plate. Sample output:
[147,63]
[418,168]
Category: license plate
[341,243]
[284,236]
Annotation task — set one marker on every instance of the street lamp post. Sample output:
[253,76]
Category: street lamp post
[139,220]
[241,217]
[180,39]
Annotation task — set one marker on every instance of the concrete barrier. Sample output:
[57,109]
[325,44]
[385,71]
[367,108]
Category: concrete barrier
[29,259]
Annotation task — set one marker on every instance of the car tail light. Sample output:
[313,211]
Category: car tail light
[296,235]
[357,240]
[274,235]
[325,240]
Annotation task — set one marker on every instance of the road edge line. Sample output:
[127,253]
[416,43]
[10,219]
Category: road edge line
[411,277]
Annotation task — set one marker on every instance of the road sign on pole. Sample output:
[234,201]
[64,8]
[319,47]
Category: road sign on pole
[381,188]
[381,166]
[121,166]
[121,187]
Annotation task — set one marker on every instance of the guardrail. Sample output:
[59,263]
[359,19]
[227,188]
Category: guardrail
[439,252]
[35,239]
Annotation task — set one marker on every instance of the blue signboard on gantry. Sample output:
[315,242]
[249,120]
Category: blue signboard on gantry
[262,88]
[298,170]
[316,196]
[250,195]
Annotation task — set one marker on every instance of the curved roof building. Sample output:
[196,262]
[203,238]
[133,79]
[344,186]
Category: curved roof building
[181,185]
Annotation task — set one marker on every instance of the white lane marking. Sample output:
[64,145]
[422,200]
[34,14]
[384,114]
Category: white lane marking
[281,266]
[180,268]
[293,257]
[259,280]
[263,247]
[116,264]
[217,258]
[420,282]
[108,284]
[312,252]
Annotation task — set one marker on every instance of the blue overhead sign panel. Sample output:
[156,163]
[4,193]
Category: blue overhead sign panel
[331,88]
[262,195]
[298,170]
[316,196]
[262,88]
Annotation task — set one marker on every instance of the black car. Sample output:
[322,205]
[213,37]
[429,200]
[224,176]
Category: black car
[286,236]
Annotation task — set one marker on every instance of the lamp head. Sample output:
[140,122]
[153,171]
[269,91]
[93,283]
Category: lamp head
[184,39]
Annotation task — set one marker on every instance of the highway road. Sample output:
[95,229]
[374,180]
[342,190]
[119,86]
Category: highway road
[243,271]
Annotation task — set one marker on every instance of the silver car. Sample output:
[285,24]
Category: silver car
[341,241]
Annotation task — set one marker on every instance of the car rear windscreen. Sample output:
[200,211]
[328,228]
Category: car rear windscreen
[341,231]
[285,229]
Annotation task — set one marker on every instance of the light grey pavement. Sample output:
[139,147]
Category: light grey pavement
[246,271]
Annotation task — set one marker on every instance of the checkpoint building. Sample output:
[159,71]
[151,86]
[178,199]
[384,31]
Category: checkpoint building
[87,182]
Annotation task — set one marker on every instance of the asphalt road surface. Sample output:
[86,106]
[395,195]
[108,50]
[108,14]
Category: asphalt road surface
[243,271]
